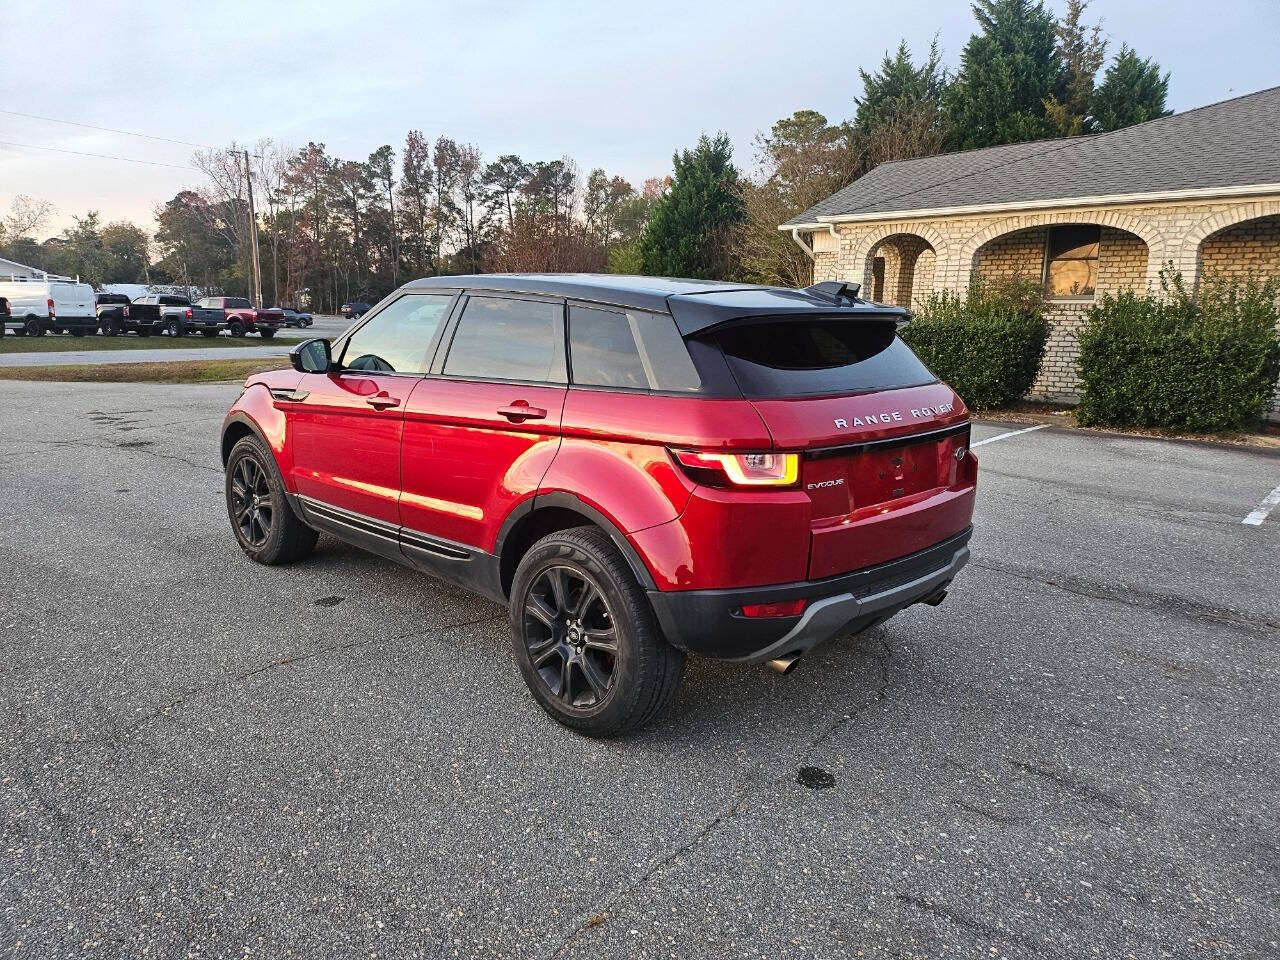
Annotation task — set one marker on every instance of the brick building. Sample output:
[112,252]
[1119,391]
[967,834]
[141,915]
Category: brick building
[1198,191]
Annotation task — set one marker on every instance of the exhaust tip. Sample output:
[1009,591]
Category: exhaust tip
[936,598]
[785,663]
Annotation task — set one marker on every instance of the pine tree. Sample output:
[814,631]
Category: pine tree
[1083,51]
[1132,91]
[899,88]
[688,234]
[1007,73]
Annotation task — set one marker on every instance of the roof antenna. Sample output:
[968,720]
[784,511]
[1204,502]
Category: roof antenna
[834,290]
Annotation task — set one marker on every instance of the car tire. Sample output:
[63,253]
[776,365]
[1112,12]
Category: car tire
[34,327]
[266,334]
[174,328]
[236,328]
[254,487]
[629,675]
[110,328]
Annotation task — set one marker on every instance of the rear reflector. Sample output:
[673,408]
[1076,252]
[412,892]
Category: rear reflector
[783,608]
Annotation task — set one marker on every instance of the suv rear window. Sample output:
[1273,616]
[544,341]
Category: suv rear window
[798,357]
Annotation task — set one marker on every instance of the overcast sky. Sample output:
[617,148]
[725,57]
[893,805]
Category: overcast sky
[613,85]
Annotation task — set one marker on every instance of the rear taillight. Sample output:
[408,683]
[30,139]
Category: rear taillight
[52,313]
[782,608]
[187,313]
[740,469]
[125,311]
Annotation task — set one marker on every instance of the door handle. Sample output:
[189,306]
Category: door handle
[519,410]
[381,401]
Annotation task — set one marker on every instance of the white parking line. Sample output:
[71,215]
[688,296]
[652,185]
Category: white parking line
[1269,502]
[1011,433]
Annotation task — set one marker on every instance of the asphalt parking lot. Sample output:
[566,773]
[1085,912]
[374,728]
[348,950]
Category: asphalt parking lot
[1073,756]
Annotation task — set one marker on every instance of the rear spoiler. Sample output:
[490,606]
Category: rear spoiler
[698,312]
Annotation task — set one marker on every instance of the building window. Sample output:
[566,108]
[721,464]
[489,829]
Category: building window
[1071,262]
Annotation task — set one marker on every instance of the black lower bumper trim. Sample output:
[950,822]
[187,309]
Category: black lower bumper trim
[707,622]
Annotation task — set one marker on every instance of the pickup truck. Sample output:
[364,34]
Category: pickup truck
[242,318]
[5,315]
[167,312]
[113,313]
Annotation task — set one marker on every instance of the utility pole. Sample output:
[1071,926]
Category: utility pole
[253,237]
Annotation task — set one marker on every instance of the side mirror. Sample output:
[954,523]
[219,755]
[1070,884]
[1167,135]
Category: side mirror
[311,356]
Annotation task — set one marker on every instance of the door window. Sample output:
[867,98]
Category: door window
[603,350]
[504,339]
[399,338]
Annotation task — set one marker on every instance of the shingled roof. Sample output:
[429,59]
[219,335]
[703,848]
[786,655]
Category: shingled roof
[1230,144]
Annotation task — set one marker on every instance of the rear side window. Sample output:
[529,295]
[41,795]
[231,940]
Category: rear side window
[398,339]
[800,357]
[603,350]
[238,303]
[504,339]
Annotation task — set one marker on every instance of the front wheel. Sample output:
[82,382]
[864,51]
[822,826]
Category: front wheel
[34,327]
[236,328]
[264,523]
[585,636]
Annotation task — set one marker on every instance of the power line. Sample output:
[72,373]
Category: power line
[101,156]
[90,126]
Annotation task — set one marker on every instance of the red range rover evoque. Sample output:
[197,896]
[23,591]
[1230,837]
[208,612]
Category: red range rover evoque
[640,468]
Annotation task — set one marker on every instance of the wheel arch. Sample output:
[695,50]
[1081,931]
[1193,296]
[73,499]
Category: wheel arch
[548,513]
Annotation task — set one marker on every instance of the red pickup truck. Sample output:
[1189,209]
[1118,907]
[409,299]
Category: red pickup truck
[242,318]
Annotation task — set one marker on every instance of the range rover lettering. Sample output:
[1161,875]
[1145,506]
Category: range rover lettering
[640,469]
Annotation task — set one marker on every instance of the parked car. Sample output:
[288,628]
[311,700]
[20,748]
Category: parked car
[295,318]
[4,315]
[739,472]
[172,314]
[39,305]
[242,318]
[351,311]
[113,313]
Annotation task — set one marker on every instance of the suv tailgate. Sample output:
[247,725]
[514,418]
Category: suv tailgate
[885,473]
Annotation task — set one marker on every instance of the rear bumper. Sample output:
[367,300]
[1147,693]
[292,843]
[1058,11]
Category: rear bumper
[709,622]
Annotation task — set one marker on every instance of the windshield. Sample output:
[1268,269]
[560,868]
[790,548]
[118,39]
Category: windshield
[801,357]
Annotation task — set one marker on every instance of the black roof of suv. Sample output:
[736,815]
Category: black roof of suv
[695,304]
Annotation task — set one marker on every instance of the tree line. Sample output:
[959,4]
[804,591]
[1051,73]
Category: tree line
[334,229]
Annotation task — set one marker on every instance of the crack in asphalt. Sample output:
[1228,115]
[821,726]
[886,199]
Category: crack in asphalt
[590,918]
[1137,597]
[124,733]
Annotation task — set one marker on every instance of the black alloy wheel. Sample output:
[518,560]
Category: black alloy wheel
[569,633]
[251,504]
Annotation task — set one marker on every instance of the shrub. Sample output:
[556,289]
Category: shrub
[987,345]
[1205,363]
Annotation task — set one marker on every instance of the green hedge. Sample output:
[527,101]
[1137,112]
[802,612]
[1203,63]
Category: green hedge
[987,345]
[1203,363]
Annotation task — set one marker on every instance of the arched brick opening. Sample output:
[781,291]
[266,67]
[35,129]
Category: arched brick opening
[899,269]
[1119,229]
[1122,263]
[1236,248]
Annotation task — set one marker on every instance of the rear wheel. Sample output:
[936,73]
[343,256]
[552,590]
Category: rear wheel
[264,523]
[585,636]
[175,328]
[236,328]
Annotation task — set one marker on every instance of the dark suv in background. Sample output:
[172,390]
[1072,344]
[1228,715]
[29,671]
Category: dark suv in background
[640,468]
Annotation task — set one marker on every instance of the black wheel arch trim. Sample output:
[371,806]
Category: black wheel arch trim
[236,417]
[575,504]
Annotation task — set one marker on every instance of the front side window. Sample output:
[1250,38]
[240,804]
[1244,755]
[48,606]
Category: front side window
[1071,262]
[603,350]
[399,338]
[504,339]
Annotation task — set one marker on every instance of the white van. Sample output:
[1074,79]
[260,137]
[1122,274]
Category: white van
[38,305]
